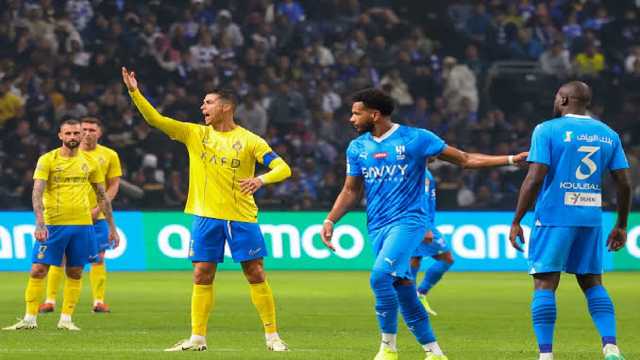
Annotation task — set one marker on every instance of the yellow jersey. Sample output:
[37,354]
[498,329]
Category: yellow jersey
[109,163]
[69,179]
[10,105]
[217,163]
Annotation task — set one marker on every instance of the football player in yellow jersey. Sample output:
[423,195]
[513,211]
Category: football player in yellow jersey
[222,159]
[110,165]
[63,179]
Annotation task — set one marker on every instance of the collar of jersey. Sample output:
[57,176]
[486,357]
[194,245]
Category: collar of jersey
[579,116]
[380,139]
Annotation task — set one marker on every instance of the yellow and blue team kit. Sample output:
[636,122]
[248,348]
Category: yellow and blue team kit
[67,207]
[217,162]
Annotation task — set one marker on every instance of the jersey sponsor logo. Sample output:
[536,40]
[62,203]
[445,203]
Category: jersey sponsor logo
[385,171]
[222,161]
[582,199]
[567,185]
[595,138]
[567,136]
[380,155]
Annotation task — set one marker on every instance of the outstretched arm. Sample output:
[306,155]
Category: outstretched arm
[618,235]
[528,193]
[177,130]
[38,209]
[344,202]
[476,160]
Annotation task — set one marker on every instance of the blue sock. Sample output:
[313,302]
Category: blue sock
[602,313]
[386,301]
[433,275]
[414,314]
[543,312]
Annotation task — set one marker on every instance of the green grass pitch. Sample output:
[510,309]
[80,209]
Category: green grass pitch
[322,315]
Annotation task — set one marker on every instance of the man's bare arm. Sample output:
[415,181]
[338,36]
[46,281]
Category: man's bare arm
[38,208]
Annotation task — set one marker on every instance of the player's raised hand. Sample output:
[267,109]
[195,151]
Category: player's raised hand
[250,186]
[129,79]
[327,233]
[114,238]
[514,234]
[41,233]
[617,238]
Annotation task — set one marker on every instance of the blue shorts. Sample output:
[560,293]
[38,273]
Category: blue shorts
[576,250]
[208,237]
[394,245]
[75,242]
[436,247]
[101,228]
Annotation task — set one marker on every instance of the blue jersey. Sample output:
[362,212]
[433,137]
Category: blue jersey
[393,169]
[430,203]
[578,151]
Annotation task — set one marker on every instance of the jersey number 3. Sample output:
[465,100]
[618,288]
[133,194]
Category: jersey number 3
[590,150]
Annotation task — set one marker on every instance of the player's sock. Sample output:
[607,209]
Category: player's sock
[33,295]
[54,279]
[262,299]
[71,295]
[414,314]
[389,341]
[98,278]
[201,304]
[602,313]
[433,275]
[386,301]
[543,313]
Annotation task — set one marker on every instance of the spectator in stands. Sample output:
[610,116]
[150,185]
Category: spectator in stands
[589,63]
[252,115]
[460,83]
[555,61]
[11,105]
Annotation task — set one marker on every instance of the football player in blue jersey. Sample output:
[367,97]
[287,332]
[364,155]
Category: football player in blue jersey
[568,158]
[388,161]
[433,245]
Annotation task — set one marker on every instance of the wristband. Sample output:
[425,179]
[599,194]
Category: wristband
[510,159]
[328,221]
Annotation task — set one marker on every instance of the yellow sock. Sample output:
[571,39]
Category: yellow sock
[262,298]
[33,295]
[54,278]
[72,289]
[201,305]
[98,278]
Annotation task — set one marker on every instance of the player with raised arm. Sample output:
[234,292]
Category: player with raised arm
[63,179]
[568,158]
[222,159]
[110,166]
[388,161]
[433,245]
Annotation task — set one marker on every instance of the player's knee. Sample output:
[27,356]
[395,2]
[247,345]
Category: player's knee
[380,279]
[204,273]
[39,271]
[74,272]
[254,272]
[586,282]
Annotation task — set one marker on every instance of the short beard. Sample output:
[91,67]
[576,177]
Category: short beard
[71,144]
[365,129]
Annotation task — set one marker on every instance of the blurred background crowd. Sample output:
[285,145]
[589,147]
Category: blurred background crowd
[481,74]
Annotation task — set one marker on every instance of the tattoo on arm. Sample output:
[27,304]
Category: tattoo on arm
[104,202]
[36,199]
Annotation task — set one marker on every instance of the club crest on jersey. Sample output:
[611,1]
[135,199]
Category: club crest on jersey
[363,155]
[567,136]
[400,152]
[237,146]
[380,155]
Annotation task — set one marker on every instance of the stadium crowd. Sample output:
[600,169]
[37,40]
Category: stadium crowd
[294,64]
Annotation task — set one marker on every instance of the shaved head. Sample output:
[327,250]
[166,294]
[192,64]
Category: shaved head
[572,97]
